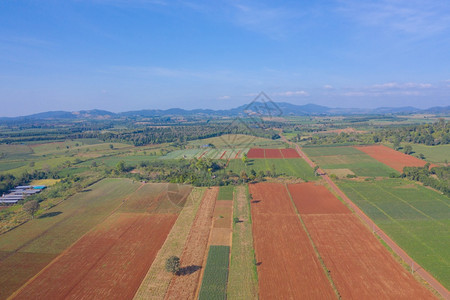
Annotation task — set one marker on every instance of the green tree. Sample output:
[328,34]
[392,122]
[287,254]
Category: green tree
[120,167]
[245,158]
[31,207]
[408,149]
[173,264]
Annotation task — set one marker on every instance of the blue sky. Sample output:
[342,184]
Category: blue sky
[123,55]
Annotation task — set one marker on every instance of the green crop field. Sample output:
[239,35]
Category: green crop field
[296,167]
[415,217]
[238,141]
[225,193]
[208,153]
[29,247]
[215,278]
[348,158]
[330,150]
[434,154]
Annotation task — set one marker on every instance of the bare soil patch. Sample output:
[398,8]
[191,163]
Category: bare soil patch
[283,249]
[392,158]
[255,153]
[310,198]
[359,265]
[273,153]
[220,236]
[290,153]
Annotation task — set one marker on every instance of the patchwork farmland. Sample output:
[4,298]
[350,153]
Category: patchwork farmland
[415,217]
[355,270]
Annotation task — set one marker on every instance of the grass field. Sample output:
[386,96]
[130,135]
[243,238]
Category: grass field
[348,158]
[434,154]
[243,278]
[415,217]
[225,193]
[51,233]
[237,141]
[287,167]
[214,284]
[230,153]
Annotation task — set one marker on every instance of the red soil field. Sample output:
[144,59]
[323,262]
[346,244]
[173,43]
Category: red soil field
[255,153]
[360,266]
[310,198]
[223,154]
[392,158]
[106,263]
[288,267]
[290,153]
[273,153]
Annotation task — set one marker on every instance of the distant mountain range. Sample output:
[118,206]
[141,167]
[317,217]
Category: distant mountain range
[256,108]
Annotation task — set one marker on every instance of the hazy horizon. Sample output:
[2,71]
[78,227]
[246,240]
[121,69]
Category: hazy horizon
[120,55]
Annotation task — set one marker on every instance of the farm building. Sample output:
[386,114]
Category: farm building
[19,193]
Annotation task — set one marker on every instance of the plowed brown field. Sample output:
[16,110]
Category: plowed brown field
[310,198]
[392,158]
[360,266]
[288,267]
[273,153]
[107,263]
[255,153]
[290,153]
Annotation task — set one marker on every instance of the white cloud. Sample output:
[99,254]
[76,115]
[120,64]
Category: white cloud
[328,87]
[224,97]
[419,17]
[407,85]
[292,93]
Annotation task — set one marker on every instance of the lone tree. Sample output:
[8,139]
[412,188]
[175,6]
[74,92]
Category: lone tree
[173,264]
[31,207]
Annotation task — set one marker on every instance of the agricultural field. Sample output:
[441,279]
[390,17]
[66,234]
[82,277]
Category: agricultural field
[392,158]
[438,154]
[348,158]
[192,258]
[157,280]
[283,249]
[415,217]
[237,141]
[215,277]
[225,193]
[272,153]
[286,167]
[28,248]
[222,153]
[356,271]
[243,277]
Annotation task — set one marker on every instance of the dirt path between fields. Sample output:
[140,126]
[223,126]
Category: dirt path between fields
[399,251]
[184,286]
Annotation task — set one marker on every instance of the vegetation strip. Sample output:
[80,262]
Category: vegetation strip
[243,277]
[215,277]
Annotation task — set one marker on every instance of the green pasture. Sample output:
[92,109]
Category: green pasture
[287,167]
[226,193]
[434,154]
[237,141]
[348,158]
[415,217]
[328,150]
[215,278]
